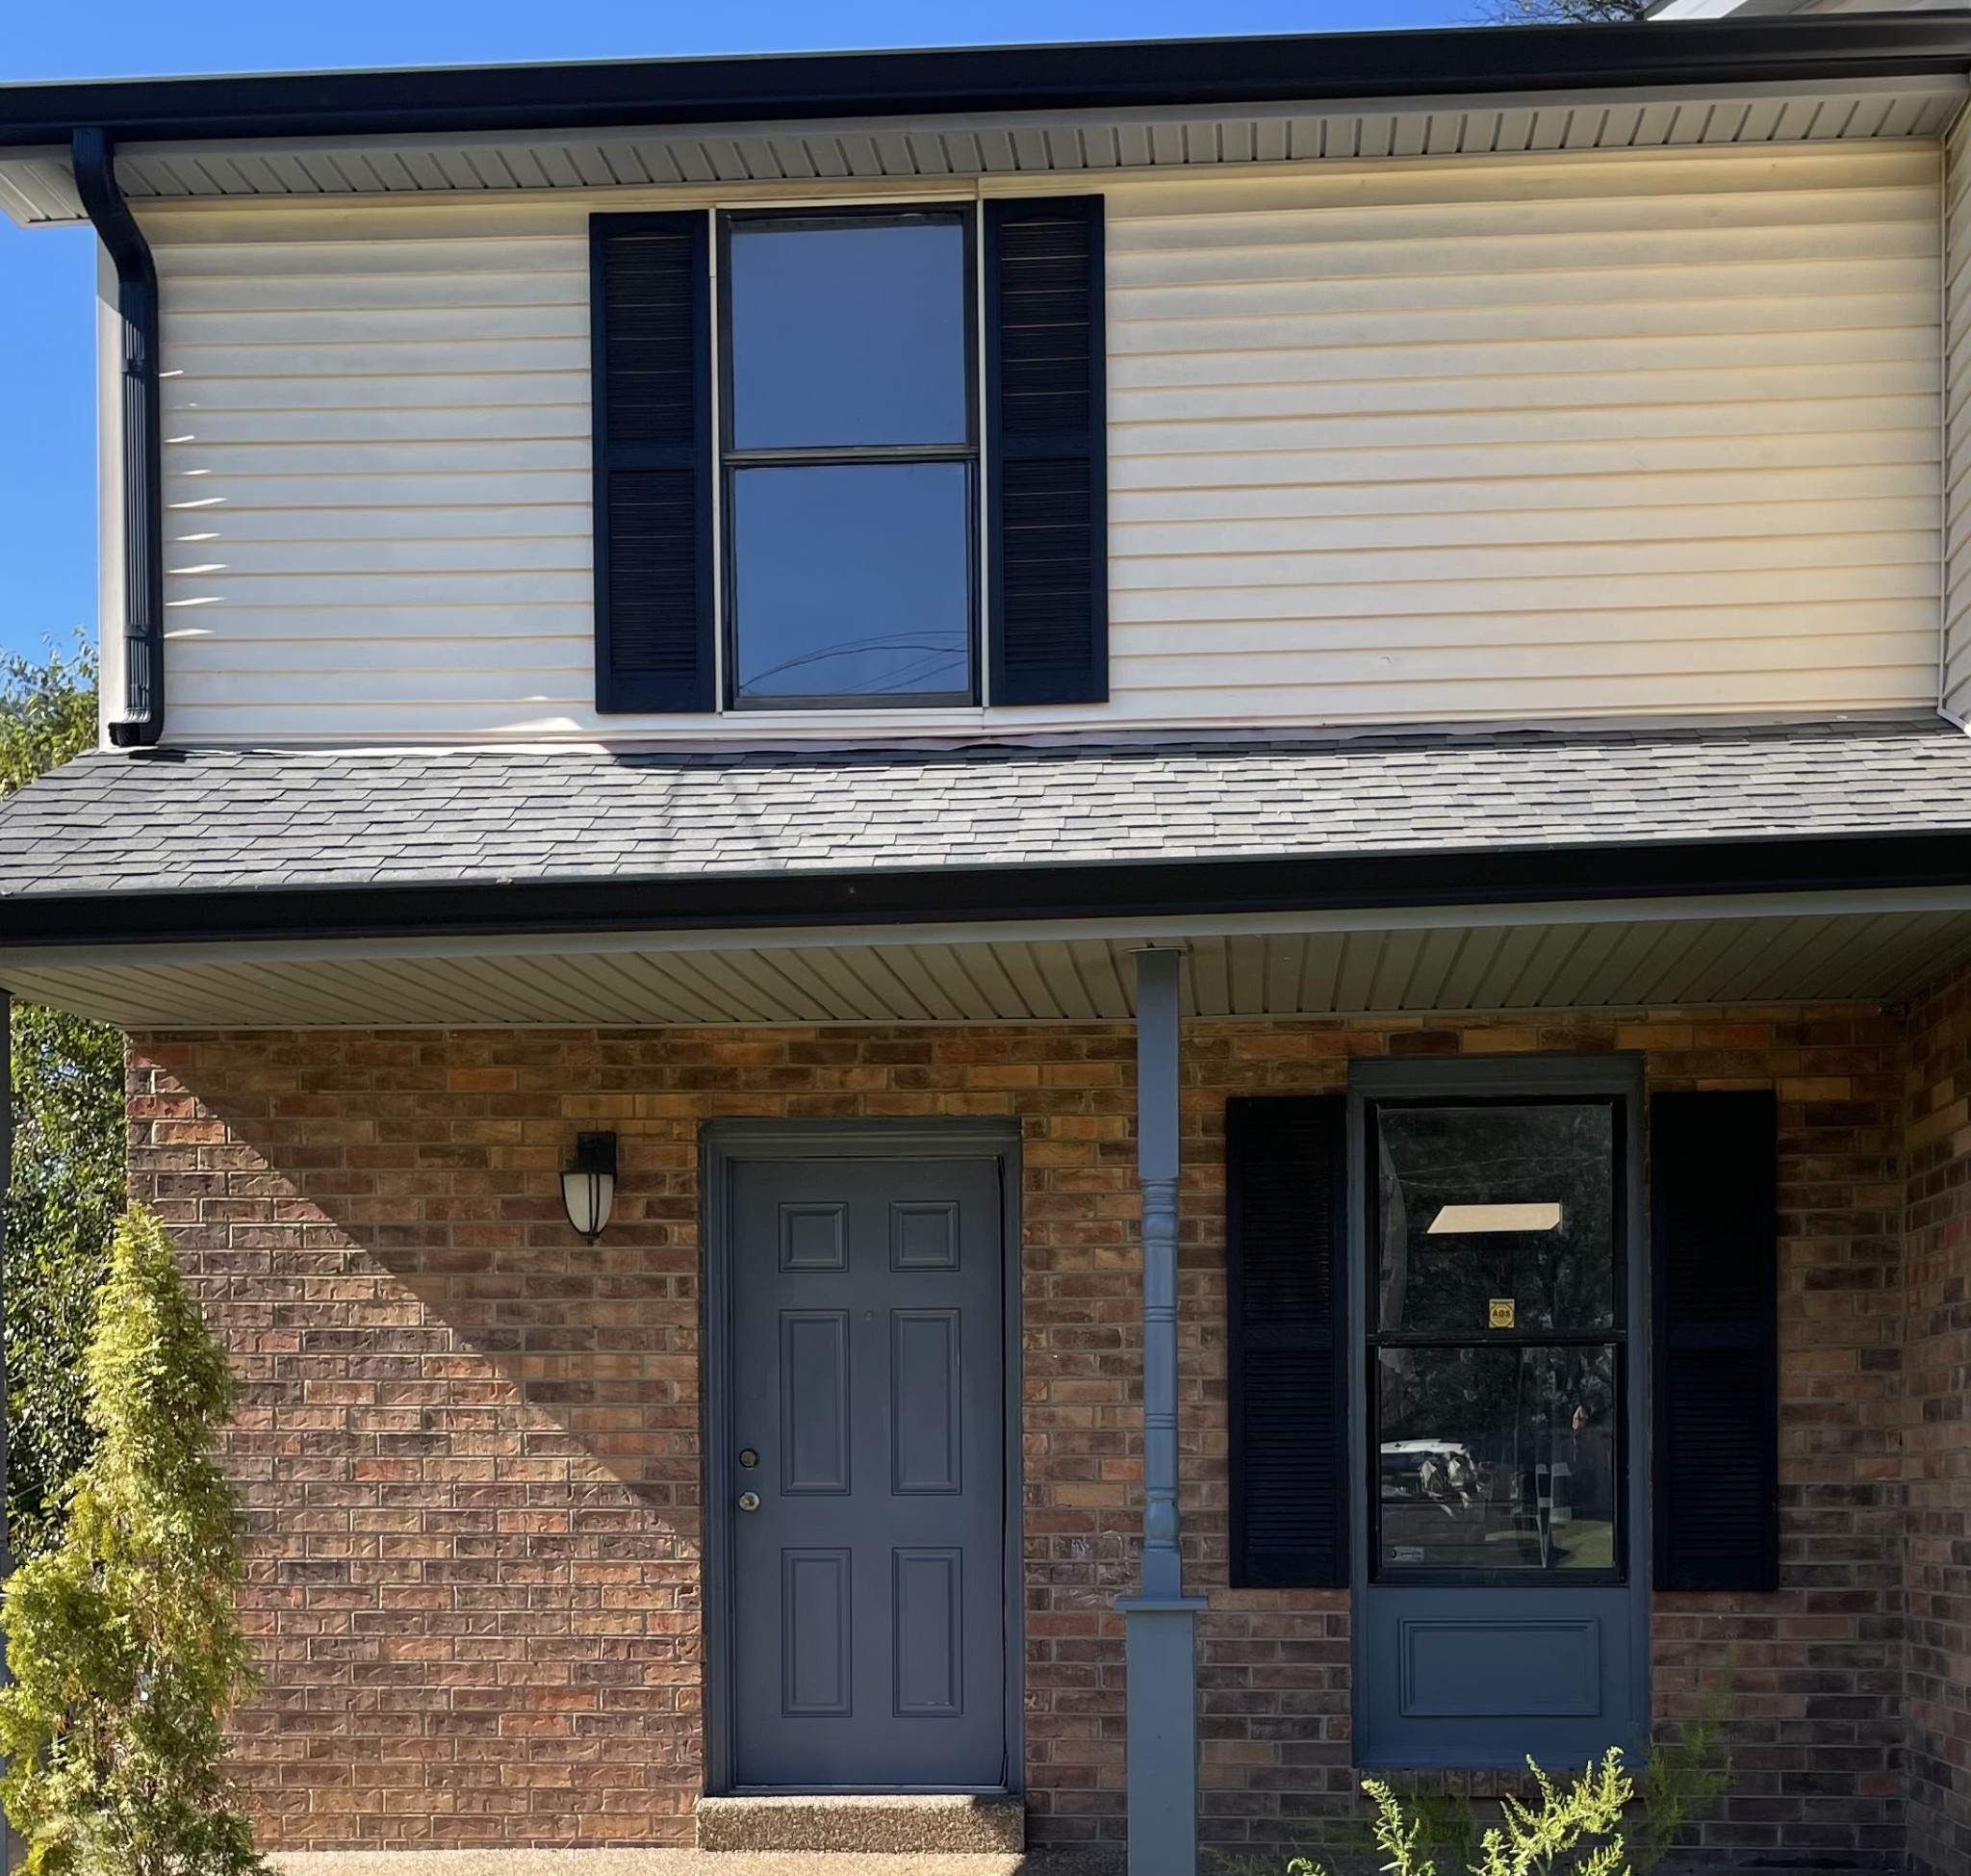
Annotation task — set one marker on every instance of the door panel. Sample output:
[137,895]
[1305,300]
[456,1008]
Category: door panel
[1489,1669]
[867,1376]
[1478,1677]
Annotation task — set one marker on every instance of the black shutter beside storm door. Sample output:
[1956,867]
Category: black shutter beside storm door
[1714,1247]
[650,344]
[1046,449]
[1286,1198]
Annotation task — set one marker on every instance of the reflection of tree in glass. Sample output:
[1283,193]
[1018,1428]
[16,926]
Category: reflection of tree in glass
[1430,1157]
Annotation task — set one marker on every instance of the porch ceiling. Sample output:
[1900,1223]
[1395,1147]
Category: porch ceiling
[1860,947]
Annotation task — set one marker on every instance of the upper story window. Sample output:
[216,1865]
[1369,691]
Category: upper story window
[850,459]
[861,463]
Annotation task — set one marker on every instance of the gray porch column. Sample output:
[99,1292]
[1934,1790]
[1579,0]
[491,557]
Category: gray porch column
[1160,1621]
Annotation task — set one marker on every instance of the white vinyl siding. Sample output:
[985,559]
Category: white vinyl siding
[1505,438]
[1956,678]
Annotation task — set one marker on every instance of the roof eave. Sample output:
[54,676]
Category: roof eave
[1010,895]
[939,81]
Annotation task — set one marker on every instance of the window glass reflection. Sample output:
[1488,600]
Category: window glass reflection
[1497,1202]
[848,335]
[853,580]
[1496,1458]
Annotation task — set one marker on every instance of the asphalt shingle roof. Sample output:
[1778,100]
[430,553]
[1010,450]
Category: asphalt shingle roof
[269,817]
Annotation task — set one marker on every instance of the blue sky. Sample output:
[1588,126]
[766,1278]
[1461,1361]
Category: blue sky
[48,426]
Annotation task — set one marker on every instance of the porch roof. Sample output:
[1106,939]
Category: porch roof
[1517,868]
[149,822]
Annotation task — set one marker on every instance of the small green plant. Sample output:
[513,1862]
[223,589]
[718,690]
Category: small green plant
[124,1639]
[1685,1776]
[1682,1779]
[1447,1825]
[1576,1830]
[1575,1827]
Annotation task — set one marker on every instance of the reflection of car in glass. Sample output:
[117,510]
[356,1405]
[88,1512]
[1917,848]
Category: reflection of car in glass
[1439,1470]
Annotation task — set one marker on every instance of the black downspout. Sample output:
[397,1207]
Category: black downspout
[142,719]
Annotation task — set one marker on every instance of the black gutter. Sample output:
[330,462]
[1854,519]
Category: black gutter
[996,895]
[92,152]
[1121,75]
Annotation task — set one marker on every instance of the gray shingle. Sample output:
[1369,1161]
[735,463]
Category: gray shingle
[229,818]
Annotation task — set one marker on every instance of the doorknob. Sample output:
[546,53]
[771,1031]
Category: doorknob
[749,1500]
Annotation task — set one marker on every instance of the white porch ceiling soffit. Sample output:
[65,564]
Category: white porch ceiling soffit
[1738,950]
[37,185]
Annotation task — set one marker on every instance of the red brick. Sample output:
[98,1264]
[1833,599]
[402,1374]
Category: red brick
[468,1444]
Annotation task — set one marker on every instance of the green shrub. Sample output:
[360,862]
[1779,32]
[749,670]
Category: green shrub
[1681,1780]
[67,1182]
[62,1208]
[124,1641]
[1575,1828]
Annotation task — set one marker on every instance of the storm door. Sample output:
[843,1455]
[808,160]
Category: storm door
[859,1465]
[1501,1609]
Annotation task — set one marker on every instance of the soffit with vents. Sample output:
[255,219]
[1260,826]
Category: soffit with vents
[37,185]
[1875,947]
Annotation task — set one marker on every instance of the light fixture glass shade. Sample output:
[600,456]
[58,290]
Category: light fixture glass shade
[589,1198]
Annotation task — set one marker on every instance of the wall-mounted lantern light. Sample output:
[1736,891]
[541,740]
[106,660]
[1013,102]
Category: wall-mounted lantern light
[588,1187]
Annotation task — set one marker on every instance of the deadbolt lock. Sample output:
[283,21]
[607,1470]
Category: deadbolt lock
[749,1500]
[748,1457]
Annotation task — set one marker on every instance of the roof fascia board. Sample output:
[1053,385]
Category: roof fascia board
[1001,895]
[941,82]
[1903,902]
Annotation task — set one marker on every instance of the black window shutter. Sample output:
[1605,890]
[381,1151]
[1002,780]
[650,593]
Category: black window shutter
[1286,1224]
[1047,450]
[651,343]
[1714,1243]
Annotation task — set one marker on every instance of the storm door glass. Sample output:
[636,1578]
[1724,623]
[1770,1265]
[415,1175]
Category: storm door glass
[851,459]
[1496,1339]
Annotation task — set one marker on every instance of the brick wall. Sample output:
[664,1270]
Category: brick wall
[1937,1436]
[470,1443]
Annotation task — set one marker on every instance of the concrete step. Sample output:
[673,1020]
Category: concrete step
[918,1825]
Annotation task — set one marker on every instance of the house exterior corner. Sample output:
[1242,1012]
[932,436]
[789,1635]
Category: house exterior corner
[1034,944]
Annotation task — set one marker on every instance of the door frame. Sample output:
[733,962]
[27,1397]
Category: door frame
[722,1146]
[1446,1078]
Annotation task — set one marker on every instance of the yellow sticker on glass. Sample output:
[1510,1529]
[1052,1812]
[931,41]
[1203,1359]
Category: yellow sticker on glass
[1499,1313]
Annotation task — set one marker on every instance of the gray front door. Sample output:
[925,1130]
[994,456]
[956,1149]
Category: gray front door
[1502,1605]
[867,1470]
